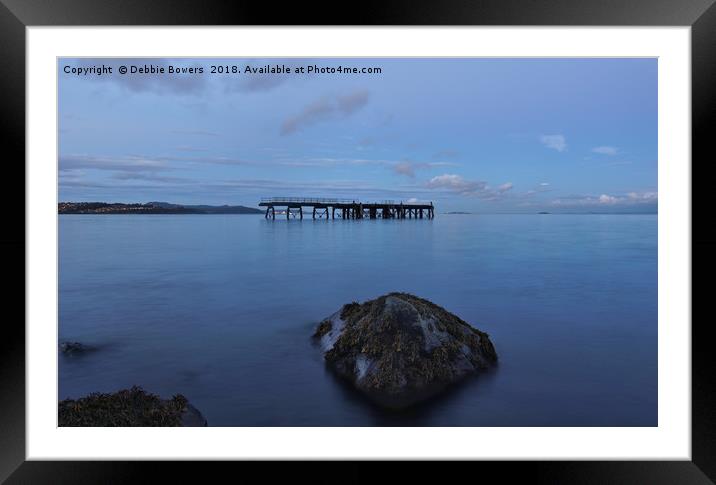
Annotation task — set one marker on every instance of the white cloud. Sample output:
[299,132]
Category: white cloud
[456,183]
[625,200]
[504,187]
[555,142]
[475,188]
[605,150]
[644,196]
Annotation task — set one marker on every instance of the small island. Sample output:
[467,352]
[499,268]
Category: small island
[150,208]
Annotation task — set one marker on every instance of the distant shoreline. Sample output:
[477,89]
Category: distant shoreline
[85,208]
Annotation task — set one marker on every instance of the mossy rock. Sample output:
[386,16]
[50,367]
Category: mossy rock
[129,407]
[400,349]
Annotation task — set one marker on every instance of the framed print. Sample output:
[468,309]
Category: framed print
[455,232]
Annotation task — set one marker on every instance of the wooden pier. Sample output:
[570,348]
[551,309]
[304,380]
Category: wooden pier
[345,209]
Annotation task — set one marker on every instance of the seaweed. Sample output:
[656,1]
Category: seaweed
[128,407]
[323,328]
[349,309]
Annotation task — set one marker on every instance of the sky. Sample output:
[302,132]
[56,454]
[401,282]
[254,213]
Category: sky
[476,135]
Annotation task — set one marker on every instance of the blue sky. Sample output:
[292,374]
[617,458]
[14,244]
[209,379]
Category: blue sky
[480,135]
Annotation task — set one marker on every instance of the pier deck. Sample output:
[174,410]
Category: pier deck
[346,209]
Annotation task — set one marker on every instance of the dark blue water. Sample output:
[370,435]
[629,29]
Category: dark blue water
[221,309]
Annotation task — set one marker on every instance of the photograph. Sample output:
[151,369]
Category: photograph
[358,241]
[321,244]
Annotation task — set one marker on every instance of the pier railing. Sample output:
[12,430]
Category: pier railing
[306,200]
[321,200]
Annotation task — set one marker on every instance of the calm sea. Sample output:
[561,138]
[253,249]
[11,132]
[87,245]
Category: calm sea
[220,308]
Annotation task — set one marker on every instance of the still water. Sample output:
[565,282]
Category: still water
[220,308]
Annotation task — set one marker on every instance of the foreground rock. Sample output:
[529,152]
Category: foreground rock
[129,407]
[399,349]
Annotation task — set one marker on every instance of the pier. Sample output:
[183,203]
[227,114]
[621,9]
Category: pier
[294,207]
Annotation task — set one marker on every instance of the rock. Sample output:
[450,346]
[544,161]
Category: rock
[129,407]
[73,348]
[400,349]
[191,417]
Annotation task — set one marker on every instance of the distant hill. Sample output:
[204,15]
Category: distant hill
[211,209]
[150,208]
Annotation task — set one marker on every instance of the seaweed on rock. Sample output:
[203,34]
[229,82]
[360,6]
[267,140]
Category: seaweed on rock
[400,349]
[128,407]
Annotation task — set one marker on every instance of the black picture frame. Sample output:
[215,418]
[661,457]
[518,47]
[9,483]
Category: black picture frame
[16,15]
